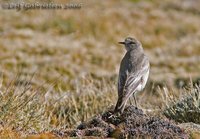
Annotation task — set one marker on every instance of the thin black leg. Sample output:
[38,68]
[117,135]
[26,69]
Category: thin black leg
[135,100]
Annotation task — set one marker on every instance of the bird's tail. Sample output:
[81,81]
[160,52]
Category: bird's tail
[122,99]
[119,108]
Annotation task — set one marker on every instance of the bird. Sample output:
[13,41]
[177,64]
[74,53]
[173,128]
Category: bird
[133,73]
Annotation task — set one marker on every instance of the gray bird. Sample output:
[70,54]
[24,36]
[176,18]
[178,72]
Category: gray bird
[133,73]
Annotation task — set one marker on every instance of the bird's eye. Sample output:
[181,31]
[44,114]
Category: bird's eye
[132,43]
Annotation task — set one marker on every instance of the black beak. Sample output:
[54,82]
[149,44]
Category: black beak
[121,42]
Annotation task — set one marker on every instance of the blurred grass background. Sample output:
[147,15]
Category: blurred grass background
[71,57]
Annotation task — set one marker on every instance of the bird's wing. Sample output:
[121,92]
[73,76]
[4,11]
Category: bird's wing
[133,79]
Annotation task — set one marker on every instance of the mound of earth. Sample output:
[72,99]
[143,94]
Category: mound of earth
[133,123]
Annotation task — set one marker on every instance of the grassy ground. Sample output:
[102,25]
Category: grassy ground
[60,67]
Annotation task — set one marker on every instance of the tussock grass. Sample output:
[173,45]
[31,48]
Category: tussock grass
[186,108]
[32,110]
[20,110]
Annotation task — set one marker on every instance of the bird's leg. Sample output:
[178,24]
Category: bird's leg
[130,101]
[135,100]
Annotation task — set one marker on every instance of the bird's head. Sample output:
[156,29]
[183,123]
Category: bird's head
[131,43]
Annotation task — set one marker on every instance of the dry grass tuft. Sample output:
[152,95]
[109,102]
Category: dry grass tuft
[33,111]
[186,109]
